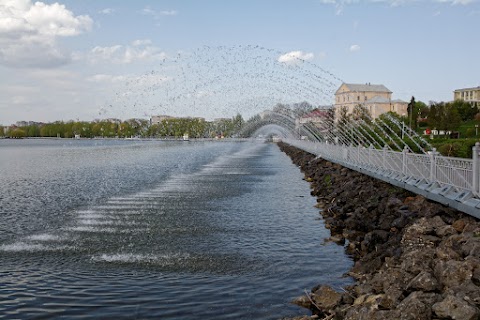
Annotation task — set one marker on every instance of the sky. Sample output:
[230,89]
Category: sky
[90,59]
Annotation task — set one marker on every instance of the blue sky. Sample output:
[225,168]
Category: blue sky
[78,59]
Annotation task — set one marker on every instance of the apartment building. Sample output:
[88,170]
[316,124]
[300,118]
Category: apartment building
[471,95]
[375,97]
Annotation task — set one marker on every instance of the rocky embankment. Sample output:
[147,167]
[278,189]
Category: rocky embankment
[414,259]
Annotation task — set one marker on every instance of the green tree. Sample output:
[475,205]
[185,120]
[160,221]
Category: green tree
[86,129]
[453,118]
[302,108]
[33,131]
[2,131]
[54,129]
[444,116]
[17,133]
[342,124]
[139,127]
[238,122]
[423,109]
[360,112]
[385,121]
[413,112]
[466,110]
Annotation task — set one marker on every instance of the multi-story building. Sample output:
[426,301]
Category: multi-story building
[375,97]
[471,95]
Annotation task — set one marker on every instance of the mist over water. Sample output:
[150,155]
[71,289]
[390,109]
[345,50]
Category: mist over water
[98,229]
[220,81]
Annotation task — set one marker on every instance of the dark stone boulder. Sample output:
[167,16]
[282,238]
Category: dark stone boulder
[417,306]
[417,259]
[410,253]
[453,307]
[391,298]
[453,273]
[373,239]
[303,301]
[424,281]
[326,299]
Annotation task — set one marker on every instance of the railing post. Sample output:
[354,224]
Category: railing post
[433,165]
[475,168]
[404,160]
[384,158]
[370,148]
[345,153]
[359,147]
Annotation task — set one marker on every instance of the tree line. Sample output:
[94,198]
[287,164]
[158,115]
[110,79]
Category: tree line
[441,115]
[173,127]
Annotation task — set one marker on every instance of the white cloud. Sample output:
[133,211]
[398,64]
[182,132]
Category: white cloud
[141,50]
[105,53]
[462,2]
[29,32]
[295,57]
[147,11]
[354,48]
[142,42]
[341,4]
[157,14]
[107,11]
[168,13]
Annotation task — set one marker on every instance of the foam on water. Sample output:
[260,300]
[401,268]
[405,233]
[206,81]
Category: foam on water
[22,246]
[45,237]
[134,230]
[163,260]
[127,213]
[91,229]
[96,222]
[93,216]
[142,202]
[31,247]
[117,207]
[90,211]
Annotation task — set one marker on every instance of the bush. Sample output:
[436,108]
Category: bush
[422,124]
[470,132]
[450,149]
[460,148]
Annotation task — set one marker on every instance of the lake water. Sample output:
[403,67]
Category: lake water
[155,229]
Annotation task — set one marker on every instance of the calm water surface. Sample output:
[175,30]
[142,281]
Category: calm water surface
[160,230]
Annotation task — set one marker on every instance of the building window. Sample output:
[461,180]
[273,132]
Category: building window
[358,98]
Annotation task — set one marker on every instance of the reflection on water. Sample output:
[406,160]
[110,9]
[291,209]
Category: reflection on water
[166,230]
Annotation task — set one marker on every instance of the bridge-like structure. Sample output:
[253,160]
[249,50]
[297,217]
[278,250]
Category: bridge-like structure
[452,181]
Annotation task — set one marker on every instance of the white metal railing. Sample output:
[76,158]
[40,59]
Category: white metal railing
[462,174]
